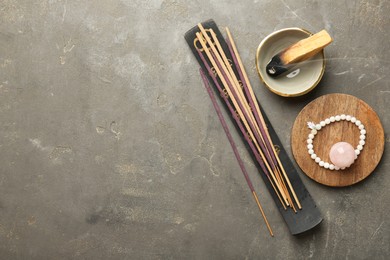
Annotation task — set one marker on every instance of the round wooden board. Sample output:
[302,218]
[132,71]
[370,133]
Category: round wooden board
[325,107]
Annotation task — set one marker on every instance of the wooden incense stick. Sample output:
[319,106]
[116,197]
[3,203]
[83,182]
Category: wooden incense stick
[280,179]
[241,97]
[241,68]
[234,147]
[247,111]
[232,79]
[228,82]
[263,132]
[254,124]
[240,126]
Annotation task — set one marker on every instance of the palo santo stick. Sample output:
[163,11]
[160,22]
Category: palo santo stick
[237,107]
[300,51]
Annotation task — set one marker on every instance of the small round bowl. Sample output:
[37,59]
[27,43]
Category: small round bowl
[299,80]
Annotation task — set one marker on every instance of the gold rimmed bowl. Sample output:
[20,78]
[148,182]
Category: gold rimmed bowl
[301,78]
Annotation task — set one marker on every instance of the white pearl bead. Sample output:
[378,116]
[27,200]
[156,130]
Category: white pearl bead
[316,127]
[326,165]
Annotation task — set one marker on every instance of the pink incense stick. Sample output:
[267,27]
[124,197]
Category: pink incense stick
[251,102]
[236,118]
[234,147]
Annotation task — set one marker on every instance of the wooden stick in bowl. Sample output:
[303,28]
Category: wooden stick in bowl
[298,52]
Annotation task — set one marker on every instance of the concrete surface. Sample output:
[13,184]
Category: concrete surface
[110,147]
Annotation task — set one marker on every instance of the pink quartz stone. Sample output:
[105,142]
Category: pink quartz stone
[342,154]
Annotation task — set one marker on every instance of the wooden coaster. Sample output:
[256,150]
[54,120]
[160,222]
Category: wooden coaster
[325,107]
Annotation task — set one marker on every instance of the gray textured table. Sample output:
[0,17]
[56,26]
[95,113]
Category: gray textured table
[110,147]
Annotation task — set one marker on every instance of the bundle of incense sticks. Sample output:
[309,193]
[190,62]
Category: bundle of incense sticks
[240,99]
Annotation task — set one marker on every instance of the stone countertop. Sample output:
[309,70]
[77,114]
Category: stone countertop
[110,147]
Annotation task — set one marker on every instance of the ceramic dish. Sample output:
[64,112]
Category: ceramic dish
[299,80]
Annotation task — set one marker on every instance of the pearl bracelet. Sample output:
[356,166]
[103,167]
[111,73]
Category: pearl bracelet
[342,154]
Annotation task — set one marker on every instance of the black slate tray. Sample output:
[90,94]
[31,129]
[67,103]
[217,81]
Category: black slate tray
[309,216]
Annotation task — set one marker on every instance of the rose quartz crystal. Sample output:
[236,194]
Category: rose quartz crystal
[342,154]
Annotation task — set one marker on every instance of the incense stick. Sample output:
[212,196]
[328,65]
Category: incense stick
[257,140]
[261,128]
[234,147]
[240,126]
[227,82]
[252,101]
[240,67]
[246,112]
[232,87]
